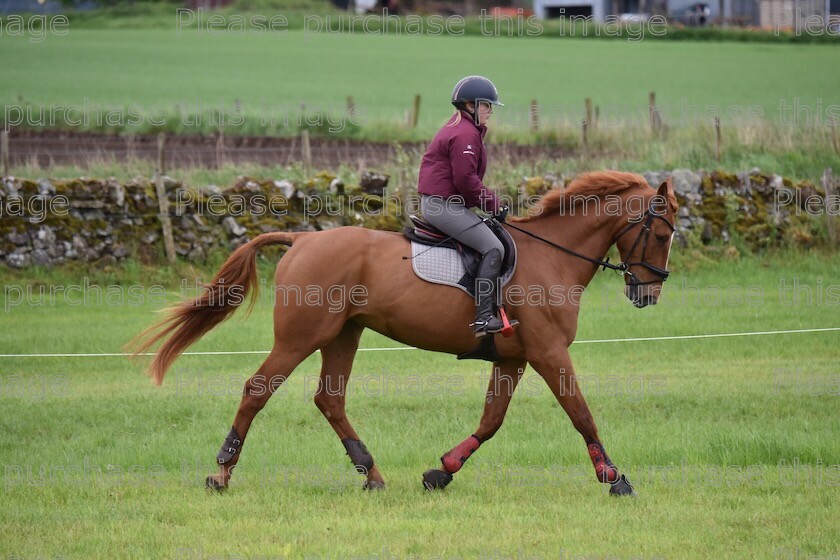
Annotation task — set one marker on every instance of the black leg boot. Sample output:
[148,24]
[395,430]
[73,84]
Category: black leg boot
[486,284]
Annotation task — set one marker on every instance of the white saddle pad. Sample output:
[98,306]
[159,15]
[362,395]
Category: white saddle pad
[441,265]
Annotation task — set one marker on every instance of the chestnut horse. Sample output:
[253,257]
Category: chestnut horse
[560,244]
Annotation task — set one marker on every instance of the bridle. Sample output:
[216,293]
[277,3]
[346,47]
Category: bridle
[644,234]
[623,268]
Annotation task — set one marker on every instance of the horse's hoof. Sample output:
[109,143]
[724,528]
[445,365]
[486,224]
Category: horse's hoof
[213,484]
[373,485]
[436,479]
[622,487]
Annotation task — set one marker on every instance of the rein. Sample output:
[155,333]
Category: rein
[620,267]
[623,267]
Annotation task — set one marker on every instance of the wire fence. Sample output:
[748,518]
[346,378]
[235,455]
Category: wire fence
[44,149]
[399,348]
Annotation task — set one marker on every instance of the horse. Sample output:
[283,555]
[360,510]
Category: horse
[561,243]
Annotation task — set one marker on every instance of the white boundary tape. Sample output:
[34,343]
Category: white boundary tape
[391,349]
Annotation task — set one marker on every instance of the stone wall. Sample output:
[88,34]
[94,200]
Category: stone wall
[50,222]
[755,209]
[752,209]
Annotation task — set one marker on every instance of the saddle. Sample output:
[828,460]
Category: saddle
[438,259]
[424,233]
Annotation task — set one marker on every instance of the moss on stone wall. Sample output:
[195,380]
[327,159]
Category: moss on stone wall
[48,222]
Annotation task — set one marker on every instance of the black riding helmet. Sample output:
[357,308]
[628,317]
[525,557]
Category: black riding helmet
[475,89]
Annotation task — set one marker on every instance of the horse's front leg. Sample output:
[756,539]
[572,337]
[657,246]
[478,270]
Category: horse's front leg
[555,366]
[503,381]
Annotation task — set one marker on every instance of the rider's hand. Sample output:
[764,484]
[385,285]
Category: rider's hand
[501,214]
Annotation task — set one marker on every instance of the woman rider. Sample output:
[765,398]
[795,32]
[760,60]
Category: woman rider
[450,184]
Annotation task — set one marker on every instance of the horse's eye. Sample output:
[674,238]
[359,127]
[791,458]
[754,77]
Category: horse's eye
[662,238]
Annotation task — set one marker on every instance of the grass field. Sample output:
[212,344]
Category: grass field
[274,73]
[732,443]
[775,101]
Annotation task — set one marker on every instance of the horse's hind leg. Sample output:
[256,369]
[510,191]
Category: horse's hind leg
[337,363]
[272,373]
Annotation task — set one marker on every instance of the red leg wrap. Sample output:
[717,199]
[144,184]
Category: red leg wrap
[604,468]
[455,459]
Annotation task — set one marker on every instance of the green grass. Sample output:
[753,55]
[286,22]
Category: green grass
[775,101]
[709,431]
[383,73]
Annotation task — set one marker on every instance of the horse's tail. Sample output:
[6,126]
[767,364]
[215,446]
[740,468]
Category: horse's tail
[188,321]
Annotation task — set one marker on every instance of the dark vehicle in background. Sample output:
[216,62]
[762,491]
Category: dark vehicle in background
[697,15]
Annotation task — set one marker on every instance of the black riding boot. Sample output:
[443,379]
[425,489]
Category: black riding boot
[486,281]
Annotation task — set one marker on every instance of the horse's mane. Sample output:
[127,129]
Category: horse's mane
[587,185]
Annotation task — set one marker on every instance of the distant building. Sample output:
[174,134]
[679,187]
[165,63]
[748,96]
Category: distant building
[773,14]
[206,4]
[551,9]
[793,14]
[8,7]
[598,10]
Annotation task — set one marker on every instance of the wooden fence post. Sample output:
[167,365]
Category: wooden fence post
[652,110]
[831,201]
[220,149]
[535,116]
[415,111]
[129,147]
[585,130]
[306,152]
[351,107]
[4,150]
[588,105]
[717,139]
[163,202]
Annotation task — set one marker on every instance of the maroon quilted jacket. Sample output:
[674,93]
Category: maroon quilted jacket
[454,164]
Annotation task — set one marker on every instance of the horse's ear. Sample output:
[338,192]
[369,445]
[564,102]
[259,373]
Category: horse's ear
[666,187]
[663,196]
